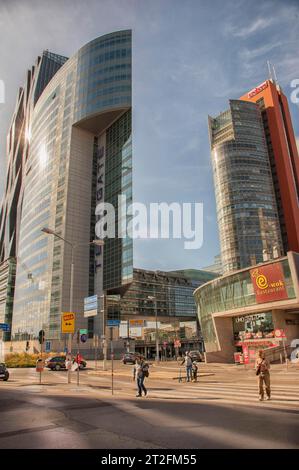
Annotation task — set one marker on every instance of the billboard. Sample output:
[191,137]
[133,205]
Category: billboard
[269,283]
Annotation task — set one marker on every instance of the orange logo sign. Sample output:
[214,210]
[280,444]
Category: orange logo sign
[269,283]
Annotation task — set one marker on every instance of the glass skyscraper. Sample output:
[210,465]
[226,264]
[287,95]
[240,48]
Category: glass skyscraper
[246,206]
[79,153]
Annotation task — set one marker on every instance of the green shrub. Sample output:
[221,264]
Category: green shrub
[23,359]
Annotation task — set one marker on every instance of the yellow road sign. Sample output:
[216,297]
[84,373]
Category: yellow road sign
[67,322]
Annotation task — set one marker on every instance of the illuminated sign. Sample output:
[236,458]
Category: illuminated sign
[269,283]
[257,90]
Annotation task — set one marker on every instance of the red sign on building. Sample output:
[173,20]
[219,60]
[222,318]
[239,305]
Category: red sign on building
[257,90]
[269,283]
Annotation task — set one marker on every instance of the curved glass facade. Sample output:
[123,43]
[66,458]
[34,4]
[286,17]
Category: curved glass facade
[87,96]
[231,292]
[246,206]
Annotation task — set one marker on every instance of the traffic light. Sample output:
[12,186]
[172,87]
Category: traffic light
[41,337]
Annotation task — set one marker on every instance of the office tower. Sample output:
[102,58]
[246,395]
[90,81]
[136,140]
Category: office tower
[37,79]
[78,153]
[246,206]
[283,154]
[18,146]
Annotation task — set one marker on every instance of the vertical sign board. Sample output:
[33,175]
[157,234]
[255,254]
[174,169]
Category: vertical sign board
[90,306]
[68,322]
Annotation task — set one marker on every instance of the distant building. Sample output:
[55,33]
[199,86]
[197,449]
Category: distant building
[216,267]
[172,294]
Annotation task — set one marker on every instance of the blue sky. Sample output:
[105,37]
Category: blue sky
[189,58]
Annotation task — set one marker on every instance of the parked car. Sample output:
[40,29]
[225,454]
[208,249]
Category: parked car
[196,356]
[130,358]
[58,363]
[4,374]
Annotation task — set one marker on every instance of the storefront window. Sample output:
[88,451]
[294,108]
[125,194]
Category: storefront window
[255,326]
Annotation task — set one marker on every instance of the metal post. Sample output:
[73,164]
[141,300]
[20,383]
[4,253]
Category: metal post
[78,352]
[157,339]
[41,356]
[104,333]
[71,311]
[112,358]
[96,342]
[128,335]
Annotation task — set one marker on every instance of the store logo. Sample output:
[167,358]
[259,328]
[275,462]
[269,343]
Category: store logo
[261,280]
[257,90]
[269,283]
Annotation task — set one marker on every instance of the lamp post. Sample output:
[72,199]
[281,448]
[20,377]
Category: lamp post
[73,246]
[154,299]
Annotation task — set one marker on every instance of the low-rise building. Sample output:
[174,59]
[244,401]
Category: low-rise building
[250,309]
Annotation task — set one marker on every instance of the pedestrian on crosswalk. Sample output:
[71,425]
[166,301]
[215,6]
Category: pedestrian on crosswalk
[188,364]
[140,371]
[262,367]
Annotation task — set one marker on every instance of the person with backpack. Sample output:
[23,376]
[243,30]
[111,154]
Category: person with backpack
[140,371]
[188,364]
[262,367]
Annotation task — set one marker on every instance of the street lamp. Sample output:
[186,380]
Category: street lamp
[154,299]
[73,246]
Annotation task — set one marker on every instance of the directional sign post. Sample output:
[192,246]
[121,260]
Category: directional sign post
[90,306]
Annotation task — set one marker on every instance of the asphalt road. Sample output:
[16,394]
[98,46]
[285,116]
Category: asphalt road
[220,411]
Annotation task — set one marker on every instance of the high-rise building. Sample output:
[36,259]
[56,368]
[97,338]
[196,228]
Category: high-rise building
[283,154]
[76,152]
[246,206]
[17,155]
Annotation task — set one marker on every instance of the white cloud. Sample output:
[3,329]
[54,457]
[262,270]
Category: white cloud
[259,24]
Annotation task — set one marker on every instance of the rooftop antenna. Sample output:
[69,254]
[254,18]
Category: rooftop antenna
[269,70]
[274,73]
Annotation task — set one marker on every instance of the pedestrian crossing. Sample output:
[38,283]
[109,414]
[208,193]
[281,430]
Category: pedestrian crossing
[230,394]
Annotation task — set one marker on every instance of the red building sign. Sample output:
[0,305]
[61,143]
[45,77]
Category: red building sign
[269,283]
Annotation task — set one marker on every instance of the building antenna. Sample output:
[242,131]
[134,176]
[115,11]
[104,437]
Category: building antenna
[269,70]
[275,76]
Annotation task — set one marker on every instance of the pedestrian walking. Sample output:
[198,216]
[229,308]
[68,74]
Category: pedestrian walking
[262,367]
[188,364]
[140,371]
[194,371]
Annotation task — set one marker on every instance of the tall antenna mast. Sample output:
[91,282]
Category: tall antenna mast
[269,70]
[275,76]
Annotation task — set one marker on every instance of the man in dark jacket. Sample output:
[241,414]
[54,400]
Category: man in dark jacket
[140,371]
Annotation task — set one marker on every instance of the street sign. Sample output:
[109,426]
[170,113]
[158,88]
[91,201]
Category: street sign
[83,331]
[113,322]
[136,323]
[90,306]
[68,322]
[48,346]
[4,326]
[83,338]
[40,364]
